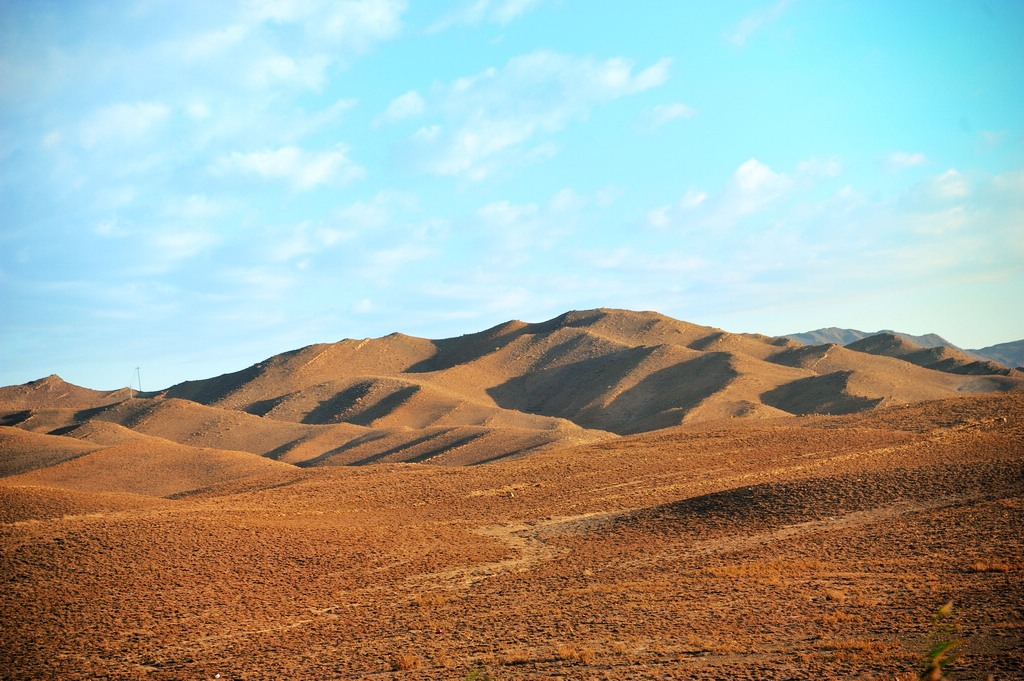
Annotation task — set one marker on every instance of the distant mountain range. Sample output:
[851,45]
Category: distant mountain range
[1008,354]
[508,391]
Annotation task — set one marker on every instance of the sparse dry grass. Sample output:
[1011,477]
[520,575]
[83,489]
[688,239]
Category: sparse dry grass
[404,662]
[271,589]
[765,568]
[835,595]
[426,600]
[579,654]
[515,655]
[995,565]
[637,586]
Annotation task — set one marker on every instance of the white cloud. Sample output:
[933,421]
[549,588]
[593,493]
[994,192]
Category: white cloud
[900,160]
[815,167]
[385,262]
[937,192]
[122,123]
[198,110]
[359,24]
[197,207]
[404,106]
[260,283]
[1010,184]
[177,245]
[479,11]
[212,43]
[110,227]
[649,119]
[304,170]
[754,185]
[374,214]
[491,117]
[309,73]
[994,138]
[345,27]
[505,12]
[752,190]
[518,230]
[951,185]
[948,228]
[754,21]
[52,139]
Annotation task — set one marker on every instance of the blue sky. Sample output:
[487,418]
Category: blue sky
[191,187]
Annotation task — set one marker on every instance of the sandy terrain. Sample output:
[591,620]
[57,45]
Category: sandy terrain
[795,547]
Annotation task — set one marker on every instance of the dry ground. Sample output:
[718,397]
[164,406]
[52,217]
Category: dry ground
[815,547]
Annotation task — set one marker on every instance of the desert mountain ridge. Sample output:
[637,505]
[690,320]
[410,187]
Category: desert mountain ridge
[509,391]
[1009,354]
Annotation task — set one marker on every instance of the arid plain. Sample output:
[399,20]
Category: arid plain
[609,495]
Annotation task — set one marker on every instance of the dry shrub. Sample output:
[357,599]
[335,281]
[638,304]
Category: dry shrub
[840,616]
[835,595]
[443,658]
[620,648]
[857,649]
[574,653]
[862,599]
[993,565]
[725,648]
[640,586]
[404,662]
[764,569]
[426,600]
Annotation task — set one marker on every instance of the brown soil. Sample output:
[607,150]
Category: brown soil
[772,548]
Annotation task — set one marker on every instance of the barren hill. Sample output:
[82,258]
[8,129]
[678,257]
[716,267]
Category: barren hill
[940,357]
[515,389]
[785,548]
[1008,354]
[840,336]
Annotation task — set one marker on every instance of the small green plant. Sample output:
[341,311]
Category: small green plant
[942,645]
[479,675]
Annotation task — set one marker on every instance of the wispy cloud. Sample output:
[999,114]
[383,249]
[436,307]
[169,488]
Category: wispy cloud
[494,116]
[479,11]
[351,25]
[752,190]
[405,106]
[901,160]
[755,21]
[122,123]
[180,244]
[657,116]
[303,170]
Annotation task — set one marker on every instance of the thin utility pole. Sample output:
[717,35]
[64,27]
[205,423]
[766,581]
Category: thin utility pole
[138,372]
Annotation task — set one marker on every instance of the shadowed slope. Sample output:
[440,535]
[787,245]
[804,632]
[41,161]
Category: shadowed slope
[510,390]
[1008,354]
[150,467]
[20,503]
[608,370]
[22,451]
[939,358]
